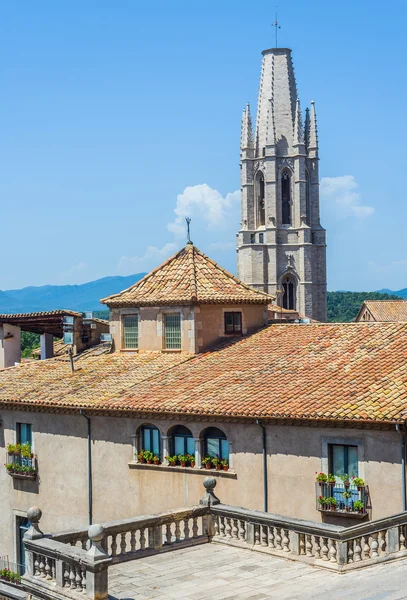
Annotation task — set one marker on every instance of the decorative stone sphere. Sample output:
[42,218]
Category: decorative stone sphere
[34,514]
[96,532]
[209,483]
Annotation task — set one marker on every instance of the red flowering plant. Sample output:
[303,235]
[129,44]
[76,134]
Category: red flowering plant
[321,477]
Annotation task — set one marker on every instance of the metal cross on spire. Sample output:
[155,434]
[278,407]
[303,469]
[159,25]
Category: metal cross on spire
[188,220]
[276,27]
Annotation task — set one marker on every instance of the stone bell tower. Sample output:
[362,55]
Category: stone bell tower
[281,244]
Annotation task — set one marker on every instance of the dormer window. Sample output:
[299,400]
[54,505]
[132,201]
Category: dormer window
[172,332]
[130,332]
[233,322]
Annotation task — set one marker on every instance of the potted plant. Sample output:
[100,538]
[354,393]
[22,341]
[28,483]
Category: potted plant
[172,460]
[322,501]
[141,457]
[216,463]
[358,481]
[11,449]
[331,479]
[156,459]
[182,459]
[331,502]
[225,464]
[148,456]
[347,495]
[321,478]
[345,479]
[191,460]
[9,467]
[26,450]
[359,506]
[207,461]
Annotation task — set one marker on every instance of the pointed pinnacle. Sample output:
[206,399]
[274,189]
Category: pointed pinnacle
[298,131]
[247,133]
[306,127]
[313,132]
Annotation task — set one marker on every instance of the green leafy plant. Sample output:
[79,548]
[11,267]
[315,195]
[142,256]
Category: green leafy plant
[358,481]
[8,575]
[206,460]
[140,456]
[26,450]
[346,495]
[358,505]
[172,460]
[321,477]
[148,455]
[215,461]
[183,458]
[345,478]
[321,500]
[9,467]
[331,501]
[156,459]
[331,478]
[224,462]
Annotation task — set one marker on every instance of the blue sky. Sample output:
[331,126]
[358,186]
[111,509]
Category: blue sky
[114,114]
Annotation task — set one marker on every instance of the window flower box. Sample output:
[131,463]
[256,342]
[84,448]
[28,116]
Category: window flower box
[338,499]
[21,467]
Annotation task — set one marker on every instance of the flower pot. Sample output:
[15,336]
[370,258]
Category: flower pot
[192,464]
[226,467]
[171,464]
[208,465]
[149,462]
[346,484]
[156,462]
[142,460]
[333,507]
[183,464]
[360,488]
[218,467]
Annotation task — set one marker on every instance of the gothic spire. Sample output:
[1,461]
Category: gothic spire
[298,131]
[313,131]
[247,133]
[306,128]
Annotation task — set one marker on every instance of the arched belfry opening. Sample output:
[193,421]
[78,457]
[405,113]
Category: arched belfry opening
[289,292]
[261,203]
[286,198]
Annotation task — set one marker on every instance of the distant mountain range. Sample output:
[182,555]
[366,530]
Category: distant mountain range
[74,297]
[86,296]
[400,293]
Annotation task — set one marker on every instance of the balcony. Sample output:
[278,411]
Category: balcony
[21,467]
[342,499]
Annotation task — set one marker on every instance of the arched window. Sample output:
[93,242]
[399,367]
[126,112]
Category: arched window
[182,441]
[215,443]
[307,199]
[261,207]
[289,294]
[286,198]
[150,439]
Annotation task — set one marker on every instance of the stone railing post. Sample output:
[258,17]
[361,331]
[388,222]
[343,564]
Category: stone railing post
[96,574]
[34,532]
[165,450]
[209,499]
[197,453]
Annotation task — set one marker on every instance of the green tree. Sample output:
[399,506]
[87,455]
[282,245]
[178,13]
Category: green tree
[343,307]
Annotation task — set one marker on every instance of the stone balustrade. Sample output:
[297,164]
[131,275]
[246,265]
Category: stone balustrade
[329,546]
[75,563]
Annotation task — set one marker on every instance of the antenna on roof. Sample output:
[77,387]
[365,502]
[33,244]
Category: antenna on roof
[188,220]
[276,27]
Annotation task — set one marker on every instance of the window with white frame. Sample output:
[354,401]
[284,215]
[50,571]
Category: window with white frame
[130,332]
[172,332]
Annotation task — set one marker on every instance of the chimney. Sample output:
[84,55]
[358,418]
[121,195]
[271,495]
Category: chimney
[10,345]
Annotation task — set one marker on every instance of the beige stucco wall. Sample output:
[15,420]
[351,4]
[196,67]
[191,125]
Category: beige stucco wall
[201,326]
[151,327]
[210,321]
[294,455]
[10,347]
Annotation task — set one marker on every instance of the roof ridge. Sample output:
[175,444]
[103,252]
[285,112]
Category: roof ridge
[192,272]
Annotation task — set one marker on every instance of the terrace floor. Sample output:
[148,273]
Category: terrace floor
[221,572]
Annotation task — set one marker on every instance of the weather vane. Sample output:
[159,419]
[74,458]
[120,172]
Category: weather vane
[276,27]
[188,220]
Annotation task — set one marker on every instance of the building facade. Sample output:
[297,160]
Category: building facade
[281,243]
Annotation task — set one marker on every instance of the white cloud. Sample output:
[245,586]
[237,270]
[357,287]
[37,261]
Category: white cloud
[152,258]
[203,203]
[341,195]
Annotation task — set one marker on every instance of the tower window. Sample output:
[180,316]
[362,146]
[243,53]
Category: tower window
[233,322]
[252,238]
[289,294]
[260,201]
[261,238]
[172,332]
[286,198]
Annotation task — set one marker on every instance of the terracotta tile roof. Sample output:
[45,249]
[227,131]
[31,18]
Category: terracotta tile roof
[345,372]
[386,310]
[188,277]
[9,317]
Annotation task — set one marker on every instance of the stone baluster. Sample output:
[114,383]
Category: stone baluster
[47,568]
[366,546]
[332,551]
[301,543]
[278,538]
[324,549]
[36,566]
[228,528]
[72,577]
[42,566]
[308,545]
[133,542]
[235,530]
[142,538]
[374,550]
[113,547]
[177,532]
[222,526]
[382,542]
[78,578]
[264,540]
[271,537]
[195,528]
[350,551]
[242,530]
[123,543]
[286,540]
[317,546]
[186,529]
[168,534]
[83,580]
[66,580]
[358,550]
[402,537]
[256,535]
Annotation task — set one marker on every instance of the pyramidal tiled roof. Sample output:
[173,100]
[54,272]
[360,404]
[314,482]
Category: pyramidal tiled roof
[188,277]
